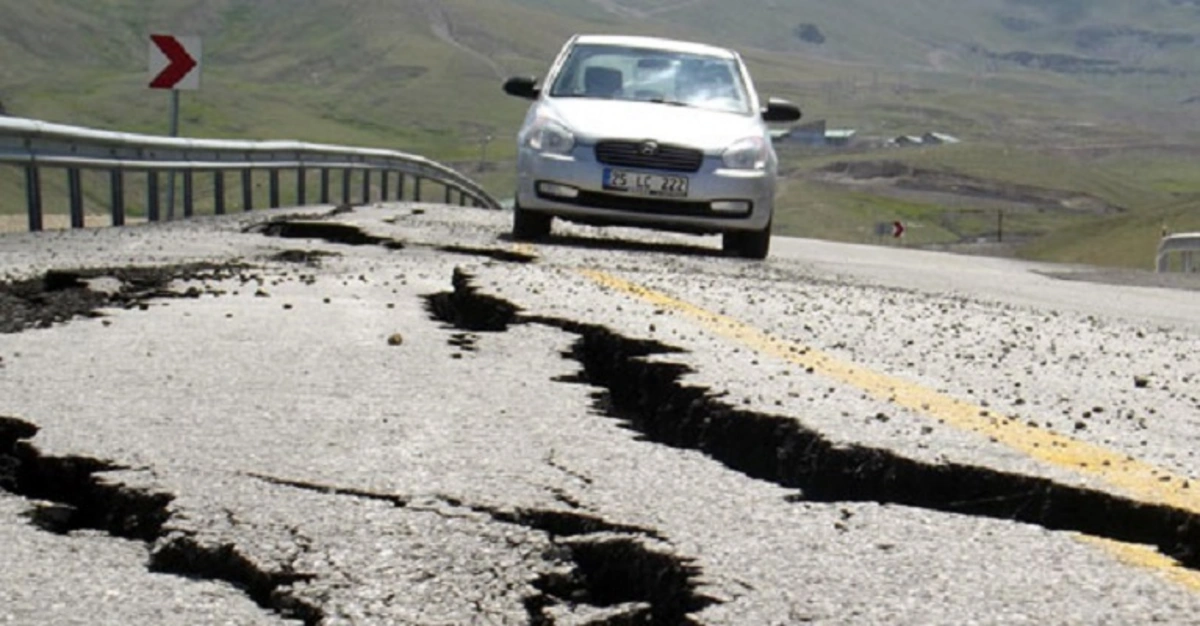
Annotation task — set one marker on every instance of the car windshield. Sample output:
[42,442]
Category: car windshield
[652,75]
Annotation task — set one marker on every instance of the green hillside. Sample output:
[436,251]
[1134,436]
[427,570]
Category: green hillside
[1087,96]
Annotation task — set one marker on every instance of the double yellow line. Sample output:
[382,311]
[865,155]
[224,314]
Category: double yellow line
[1138,479]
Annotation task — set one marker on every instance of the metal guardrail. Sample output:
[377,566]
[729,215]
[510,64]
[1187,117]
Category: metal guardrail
[36,145]
[1186,244]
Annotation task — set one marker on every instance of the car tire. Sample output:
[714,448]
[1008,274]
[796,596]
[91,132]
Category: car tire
[530,226]
[755,244]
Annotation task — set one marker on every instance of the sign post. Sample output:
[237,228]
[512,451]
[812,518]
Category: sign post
[174,65]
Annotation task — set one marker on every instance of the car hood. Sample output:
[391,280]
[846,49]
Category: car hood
[595,119]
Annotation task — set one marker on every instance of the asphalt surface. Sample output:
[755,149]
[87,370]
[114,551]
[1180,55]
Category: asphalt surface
[395,415]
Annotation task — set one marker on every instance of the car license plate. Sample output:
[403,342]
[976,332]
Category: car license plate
[657,185]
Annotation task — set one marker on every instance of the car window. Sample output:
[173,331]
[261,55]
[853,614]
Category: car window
[624,73]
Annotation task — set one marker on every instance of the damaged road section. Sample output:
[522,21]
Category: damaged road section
[610,568]
[72,494]
[466,309]
[495,254]
[316,227]
[650,398]
[332,232]
[61,295]
[639,585]
[311,258]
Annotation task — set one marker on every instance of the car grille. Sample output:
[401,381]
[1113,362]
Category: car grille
[666,157]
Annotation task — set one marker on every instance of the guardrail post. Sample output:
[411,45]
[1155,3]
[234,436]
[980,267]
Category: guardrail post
[171,189]
[219,192]
[33,196]
[247,190]
[152,195]
[75,194]
[116,188]
[159,159]
[189,200]
[301,186]
[273,191]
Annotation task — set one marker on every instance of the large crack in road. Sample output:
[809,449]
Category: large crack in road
[333,232]
[603,565]
[650,398]
[608,565]
[316,227]
[80,498]
[60,295]
[598,563]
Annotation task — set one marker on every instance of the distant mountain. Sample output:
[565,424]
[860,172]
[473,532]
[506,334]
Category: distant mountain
[417,71]
[1118,35]
[1091,98]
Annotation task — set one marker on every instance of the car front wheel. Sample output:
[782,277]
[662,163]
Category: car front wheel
[530,226]
[755,244]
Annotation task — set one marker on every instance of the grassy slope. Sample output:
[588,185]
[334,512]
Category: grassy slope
[1016,121]
[423,76]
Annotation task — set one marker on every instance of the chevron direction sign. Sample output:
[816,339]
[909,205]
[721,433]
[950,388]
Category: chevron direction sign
[174,62]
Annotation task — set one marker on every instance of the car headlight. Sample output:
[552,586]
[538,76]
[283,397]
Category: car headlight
[550,137]
[747,154]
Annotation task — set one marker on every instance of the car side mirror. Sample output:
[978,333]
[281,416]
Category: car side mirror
[522,87]
[779,110]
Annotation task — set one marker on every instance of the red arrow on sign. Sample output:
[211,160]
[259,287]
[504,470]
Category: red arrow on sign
[897,229]
[180,62]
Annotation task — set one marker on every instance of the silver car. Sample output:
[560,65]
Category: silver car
[648,132]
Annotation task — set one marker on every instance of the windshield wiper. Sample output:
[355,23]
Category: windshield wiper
[674,103]
[585,95]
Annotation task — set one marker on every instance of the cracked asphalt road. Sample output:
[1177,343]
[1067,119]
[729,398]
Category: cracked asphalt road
[426,424]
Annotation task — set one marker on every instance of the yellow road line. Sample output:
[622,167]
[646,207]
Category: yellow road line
[1138,479]
[524,248]
[1146,557]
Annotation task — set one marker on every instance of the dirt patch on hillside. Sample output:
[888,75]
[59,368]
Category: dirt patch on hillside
[1063,63]
[938,186]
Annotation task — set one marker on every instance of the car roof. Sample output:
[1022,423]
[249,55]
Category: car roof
[656,43]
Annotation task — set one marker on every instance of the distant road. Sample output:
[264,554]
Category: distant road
[397,415]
